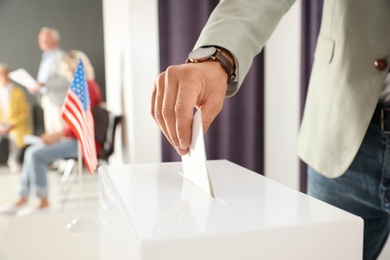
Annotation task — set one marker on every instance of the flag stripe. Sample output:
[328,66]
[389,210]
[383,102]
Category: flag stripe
[74,119]
[77,113]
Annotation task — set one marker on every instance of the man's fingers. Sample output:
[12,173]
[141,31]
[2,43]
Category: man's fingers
[169,102]
[178,91]
[157,103]
[153,102]
[184,115]
[186,101]
[173,111]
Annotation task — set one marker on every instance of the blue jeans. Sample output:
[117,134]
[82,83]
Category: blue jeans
[363,190]
[36,158]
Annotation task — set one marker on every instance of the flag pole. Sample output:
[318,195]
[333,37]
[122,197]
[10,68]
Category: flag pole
[80,173]
[80,224]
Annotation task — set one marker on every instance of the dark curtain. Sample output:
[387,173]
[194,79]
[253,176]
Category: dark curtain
[237,132]
[311,20]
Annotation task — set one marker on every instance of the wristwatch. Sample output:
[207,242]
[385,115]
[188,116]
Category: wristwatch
[212,53]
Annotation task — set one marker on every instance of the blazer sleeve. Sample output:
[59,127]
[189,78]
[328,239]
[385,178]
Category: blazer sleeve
[242,27]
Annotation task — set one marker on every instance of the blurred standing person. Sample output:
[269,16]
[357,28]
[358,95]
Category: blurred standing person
[51,85]
[14,112]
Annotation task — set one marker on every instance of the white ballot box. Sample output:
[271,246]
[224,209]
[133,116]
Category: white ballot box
[150,212]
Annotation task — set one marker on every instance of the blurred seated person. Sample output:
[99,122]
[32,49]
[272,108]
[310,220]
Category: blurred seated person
[62,144]
[14,113]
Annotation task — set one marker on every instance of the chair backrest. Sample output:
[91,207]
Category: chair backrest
[105,128]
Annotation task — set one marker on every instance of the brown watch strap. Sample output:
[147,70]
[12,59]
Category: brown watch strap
[226,64]
[221,59]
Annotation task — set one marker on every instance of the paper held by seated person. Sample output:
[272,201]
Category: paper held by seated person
[195,162]
[22,77]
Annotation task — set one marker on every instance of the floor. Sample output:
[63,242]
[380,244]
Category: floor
[89,202]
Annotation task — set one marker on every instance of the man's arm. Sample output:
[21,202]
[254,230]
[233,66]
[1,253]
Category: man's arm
[239,27]
[243,28]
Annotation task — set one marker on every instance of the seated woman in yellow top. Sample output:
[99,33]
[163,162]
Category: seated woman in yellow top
[14,112]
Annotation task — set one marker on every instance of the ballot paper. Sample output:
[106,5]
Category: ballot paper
[22,77]
[195,162]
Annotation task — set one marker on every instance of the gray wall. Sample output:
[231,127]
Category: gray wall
[79,22]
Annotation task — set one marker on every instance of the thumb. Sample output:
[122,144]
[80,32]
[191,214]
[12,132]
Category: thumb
[210,110]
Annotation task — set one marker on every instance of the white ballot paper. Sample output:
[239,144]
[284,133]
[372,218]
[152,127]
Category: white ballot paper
[194,163]
[22,77]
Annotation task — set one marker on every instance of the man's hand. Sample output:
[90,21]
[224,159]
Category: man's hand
[181,88]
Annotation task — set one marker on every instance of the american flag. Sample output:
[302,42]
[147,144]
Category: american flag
[76,112]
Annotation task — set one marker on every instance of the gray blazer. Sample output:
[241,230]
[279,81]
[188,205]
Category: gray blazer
[57,85]
[345,84]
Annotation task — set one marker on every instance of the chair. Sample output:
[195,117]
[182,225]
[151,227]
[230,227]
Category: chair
[105,128]
[105,124]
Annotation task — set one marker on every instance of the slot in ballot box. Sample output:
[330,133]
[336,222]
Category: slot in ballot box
[149,212]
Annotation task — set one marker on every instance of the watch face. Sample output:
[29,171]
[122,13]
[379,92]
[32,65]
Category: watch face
[202,54]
